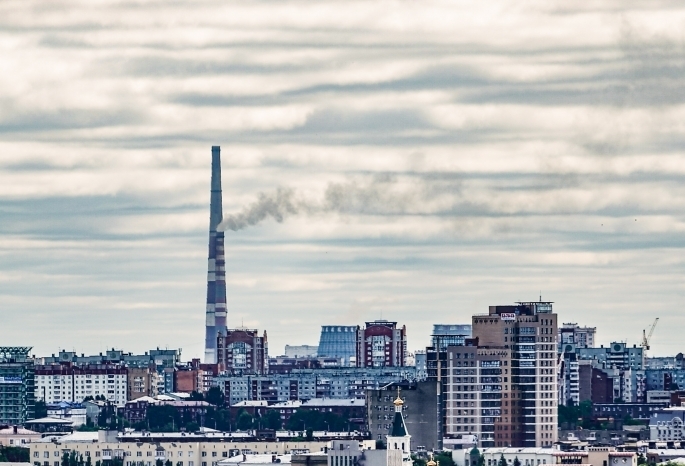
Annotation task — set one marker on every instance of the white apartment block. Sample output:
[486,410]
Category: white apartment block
[54,384]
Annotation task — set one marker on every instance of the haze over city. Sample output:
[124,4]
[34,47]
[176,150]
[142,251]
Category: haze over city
[412,161]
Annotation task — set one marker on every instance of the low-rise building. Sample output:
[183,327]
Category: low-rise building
[595,456]
[527,456]
[135,411]
[667,425]
[660,397]
[301,351]
[621,411]
[146,453]
[353,410]
[18,436]
[74,412]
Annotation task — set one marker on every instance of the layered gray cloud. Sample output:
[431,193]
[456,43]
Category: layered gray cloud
[419,160]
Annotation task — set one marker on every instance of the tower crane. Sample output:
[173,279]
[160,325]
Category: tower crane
[646,337]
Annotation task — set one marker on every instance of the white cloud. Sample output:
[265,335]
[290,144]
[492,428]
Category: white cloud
[478,153]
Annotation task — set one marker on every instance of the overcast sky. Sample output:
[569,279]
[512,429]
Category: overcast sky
[425,159]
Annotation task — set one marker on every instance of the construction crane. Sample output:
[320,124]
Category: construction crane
[646,337]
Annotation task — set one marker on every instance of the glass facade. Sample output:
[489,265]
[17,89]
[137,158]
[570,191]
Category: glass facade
[338,341]
[450,335]
[17,382]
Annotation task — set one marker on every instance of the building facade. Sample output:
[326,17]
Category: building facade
[17,385]
[450,335]
[305,384]
[503,384]
[301,351]
[70,383]
[419,410]
[243,351]
[146,453]
[573,334]
[338,341]
[381,344]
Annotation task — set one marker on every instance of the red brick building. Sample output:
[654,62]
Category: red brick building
[381,344]
[243,351]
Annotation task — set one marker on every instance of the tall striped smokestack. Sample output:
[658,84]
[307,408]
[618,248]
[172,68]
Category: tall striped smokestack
[216,270]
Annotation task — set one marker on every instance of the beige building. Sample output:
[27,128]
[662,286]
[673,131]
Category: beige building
[49,453]
[502,384]
[594,456]
[142,382]
[17,436]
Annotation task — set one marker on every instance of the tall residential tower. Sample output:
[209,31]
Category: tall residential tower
[216,271]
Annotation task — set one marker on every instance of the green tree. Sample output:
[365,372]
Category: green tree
[502,461]
[272,420]
[159,462]
[244,420]
[196,396]
[517,462]
[40,409]
[89,462]
[444,459]
[192,427]
[163,418]
[168,463]
[11,454]
[418,461]
[65,459]
[215,396]
[641,459]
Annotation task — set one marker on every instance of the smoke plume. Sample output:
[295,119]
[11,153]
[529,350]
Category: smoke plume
[381,195]
[277,206]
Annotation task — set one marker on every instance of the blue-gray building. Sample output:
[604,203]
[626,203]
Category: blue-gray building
[445,335]
[338,341]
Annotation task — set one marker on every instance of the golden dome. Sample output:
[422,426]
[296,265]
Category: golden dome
[431,462]
[398,401]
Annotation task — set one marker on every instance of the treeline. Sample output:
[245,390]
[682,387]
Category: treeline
[164,418]
[14,454]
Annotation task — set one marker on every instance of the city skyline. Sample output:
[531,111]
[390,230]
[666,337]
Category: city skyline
[413,162]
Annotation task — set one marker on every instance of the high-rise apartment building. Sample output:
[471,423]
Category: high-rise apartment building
[243,351]
[17,394]
[580,337]
[503,385]
[67,382]
[381,344]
